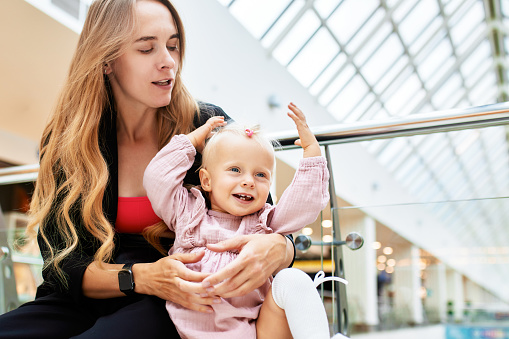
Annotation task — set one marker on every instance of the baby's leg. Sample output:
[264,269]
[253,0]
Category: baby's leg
[293,305]
[271,322]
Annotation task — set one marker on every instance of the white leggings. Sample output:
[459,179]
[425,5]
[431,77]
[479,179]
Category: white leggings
[295,292]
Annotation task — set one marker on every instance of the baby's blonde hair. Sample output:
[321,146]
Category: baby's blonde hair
[233,128]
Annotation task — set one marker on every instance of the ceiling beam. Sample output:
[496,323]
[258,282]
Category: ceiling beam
[494,19]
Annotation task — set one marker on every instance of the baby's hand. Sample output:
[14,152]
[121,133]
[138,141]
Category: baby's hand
[307,139]
[199,135]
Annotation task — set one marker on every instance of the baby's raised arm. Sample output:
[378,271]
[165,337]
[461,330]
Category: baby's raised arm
[199,135]
[307,139]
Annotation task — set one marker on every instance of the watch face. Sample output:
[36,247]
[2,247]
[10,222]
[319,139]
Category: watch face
[125,281]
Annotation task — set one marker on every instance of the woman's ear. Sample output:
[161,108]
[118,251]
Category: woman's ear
[205,180]
[107,69]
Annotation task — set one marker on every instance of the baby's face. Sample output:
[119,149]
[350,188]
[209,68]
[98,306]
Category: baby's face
[238,175]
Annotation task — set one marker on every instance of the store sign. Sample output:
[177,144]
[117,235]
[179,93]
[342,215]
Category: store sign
[476,332]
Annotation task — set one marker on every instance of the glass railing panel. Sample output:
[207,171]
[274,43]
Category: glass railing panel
[436,244]
[427,274]
[21,260]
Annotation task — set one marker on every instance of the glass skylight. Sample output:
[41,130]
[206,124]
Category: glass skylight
[375,59]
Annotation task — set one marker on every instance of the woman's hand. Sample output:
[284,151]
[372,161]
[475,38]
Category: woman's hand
[260,255]
[169,279]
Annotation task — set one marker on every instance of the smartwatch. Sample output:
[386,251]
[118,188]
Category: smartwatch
[126,279]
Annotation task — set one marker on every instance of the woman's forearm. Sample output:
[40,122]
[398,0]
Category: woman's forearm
[168,278]
[102,282]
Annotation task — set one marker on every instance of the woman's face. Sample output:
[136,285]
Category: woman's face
[144,76]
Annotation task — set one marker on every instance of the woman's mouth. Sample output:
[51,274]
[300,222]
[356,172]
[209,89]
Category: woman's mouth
[162,82]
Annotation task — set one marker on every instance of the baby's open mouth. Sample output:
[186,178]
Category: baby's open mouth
[243,197]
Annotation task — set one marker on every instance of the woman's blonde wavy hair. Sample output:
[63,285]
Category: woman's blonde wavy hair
[70,154]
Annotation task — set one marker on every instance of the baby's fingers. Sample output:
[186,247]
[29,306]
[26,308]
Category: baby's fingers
[216,122]
[296,110]
[307,139]
[297,115]
[198,136]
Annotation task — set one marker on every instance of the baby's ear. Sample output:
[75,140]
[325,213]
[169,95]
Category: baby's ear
[205,180]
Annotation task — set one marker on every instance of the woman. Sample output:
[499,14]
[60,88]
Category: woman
[123,100]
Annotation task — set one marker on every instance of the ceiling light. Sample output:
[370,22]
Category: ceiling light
[327,223]
[307,231]
[388,250]
[327,238]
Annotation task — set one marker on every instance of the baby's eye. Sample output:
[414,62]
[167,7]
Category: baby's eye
[261,175]
[235,169]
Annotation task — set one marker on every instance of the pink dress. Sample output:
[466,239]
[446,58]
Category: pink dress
[185,212]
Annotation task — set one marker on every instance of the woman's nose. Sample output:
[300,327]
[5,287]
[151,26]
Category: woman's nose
[167,60]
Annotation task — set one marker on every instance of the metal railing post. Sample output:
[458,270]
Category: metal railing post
[341,324]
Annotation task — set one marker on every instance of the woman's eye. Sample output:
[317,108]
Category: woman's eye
[172,48]
[146,51]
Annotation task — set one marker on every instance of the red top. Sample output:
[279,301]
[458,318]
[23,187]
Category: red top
[134,215]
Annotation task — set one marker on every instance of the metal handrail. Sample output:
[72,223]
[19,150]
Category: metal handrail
[415,124]
[18,174]
[19,169]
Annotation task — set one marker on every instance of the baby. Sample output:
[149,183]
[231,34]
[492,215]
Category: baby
[236,175]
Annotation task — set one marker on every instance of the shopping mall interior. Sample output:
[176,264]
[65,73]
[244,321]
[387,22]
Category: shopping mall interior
[409,100]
